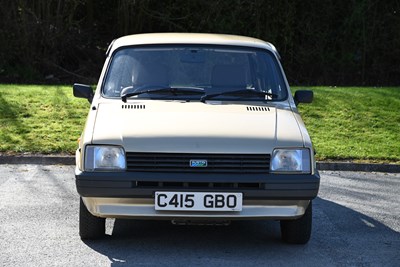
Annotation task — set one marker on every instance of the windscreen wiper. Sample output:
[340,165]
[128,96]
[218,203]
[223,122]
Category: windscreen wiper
[173,90]
[241,92]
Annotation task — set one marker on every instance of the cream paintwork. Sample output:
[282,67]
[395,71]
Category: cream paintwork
[187,127]
[143,208]
[193,127]
[229,123]
[189,38]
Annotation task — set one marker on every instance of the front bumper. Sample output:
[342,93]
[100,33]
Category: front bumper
[131,194]
[144,184]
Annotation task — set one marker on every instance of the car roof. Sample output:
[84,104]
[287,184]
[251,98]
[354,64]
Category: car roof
[189,38]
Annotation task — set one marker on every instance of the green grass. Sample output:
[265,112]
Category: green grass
[354,123]
[40,119]
[351,123]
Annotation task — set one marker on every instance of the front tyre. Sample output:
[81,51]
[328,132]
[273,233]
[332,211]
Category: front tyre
[90,227]
[298,231]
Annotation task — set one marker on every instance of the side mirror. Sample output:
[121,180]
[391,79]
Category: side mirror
[303,96]
[83,91]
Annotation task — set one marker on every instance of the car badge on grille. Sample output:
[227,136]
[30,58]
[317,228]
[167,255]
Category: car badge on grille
[198,163]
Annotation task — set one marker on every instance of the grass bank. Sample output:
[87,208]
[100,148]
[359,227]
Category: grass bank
[40,119]
[347,123]
[354,123]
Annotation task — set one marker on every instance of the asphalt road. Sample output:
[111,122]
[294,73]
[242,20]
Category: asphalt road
[356,223]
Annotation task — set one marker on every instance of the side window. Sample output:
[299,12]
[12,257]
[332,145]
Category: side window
[267,76]
[120,74]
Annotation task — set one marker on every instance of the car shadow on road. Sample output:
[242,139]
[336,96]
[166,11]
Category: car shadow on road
[340,236]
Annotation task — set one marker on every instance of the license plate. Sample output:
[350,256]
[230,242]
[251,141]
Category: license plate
[198,201]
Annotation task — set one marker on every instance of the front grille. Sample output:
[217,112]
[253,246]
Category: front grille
[199,185]
[216,163]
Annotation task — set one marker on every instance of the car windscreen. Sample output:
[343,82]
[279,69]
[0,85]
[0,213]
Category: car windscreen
[214,69]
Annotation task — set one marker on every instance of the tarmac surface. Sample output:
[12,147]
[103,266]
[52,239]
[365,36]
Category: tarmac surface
[356,223]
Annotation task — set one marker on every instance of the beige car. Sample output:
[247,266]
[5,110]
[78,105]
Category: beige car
[196,129]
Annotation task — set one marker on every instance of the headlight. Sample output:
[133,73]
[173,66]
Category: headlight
[105,158]
[291,160]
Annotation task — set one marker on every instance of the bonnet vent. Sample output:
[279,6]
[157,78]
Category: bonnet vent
[133,106]
[257,108]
